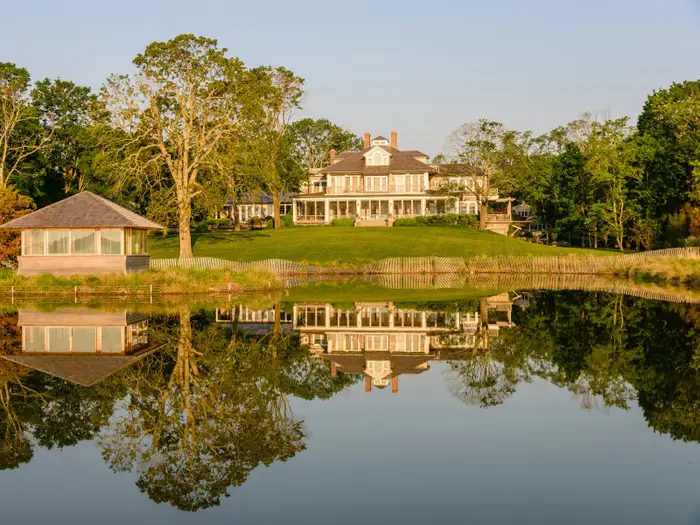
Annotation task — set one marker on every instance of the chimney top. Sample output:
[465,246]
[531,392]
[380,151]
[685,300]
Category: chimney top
[395,385]
[333,153]
[367,139]
[393,140]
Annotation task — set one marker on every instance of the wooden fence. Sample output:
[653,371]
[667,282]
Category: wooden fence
[572,265]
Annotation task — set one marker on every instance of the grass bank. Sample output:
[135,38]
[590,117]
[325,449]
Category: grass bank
[680,271]
[170,281]
[353,246]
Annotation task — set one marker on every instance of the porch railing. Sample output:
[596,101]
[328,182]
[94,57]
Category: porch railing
[364,188]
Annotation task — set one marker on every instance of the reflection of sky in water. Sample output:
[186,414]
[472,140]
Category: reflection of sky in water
[415,457]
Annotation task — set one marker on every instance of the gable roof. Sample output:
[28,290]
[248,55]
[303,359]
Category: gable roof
[84,210]
[401,161]
[379,138]
[84,370]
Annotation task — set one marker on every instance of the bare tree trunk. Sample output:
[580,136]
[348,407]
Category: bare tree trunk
[483,215]
[184,217]
[278,314]
[276,206]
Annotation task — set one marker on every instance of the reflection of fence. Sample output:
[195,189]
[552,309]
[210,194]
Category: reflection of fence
[78,291]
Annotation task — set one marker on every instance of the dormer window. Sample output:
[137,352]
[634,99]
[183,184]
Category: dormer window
[377,157]
[380,141]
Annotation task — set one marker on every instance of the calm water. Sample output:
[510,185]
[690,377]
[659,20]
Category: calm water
[536,408]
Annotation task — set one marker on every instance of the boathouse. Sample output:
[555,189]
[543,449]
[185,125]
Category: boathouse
[83,234]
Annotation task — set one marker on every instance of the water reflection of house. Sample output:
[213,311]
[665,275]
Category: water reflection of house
[383,341]
[79,345]
[254,321]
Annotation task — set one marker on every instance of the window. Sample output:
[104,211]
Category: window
[380,159]
[112,340]
[59,340]
[84,340]
[111,242]
[34,242]
[58,242]
[82,241]
[138,242]
[34,339]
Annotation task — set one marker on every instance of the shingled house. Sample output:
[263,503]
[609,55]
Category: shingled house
[376,185]
[83,234]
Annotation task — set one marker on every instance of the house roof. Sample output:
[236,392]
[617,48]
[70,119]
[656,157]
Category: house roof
[262,198]
[379,138]
[84,370]
[84,210]
[415,153]
[401,161]
[400,363]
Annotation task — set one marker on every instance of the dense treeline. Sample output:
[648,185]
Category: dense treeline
[598,181]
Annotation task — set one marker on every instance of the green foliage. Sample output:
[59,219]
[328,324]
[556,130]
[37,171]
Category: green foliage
[343,223]
[312,140]
[447,219]
[288,221]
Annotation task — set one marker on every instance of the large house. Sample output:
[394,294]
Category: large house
[378,184]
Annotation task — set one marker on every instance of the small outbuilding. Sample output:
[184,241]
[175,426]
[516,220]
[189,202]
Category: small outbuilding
[83,234]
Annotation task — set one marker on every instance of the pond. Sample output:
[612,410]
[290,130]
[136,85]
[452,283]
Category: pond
[527,407]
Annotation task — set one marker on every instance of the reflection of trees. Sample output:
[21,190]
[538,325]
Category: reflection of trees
[203,417]
[489,373]
[15,446]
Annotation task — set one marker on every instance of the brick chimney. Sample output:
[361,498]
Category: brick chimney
[393,140]
[395,385]
[368,384]
[333,153]
[367,139]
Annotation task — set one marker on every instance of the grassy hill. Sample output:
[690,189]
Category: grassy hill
[354,245]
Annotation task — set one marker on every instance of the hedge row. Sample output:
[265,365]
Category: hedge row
[448,219]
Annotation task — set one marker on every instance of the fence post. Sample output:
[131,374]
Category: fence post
[75,293]
[150,293]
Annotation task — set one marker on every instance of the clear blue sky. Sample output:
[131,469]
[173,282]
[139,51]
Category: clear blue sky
[421,68]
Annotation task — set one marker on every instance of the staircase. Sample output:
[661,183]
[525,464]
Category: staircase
[370,222]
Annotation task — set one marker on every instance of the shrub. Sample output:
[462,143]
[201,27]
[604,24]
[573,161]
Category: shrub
[342,223]
[448,219]
[203,226]
[12,206]
[287,221]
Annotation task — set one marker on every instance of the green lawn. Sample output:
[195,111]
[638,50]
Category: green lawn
[354,245]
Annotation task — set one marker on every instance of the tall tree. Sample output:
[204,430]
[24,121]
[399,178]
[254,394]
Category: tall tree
[612,155]
[313,140]
[186,101]
[480,156]
[70,111]
[19,123]
[271,150]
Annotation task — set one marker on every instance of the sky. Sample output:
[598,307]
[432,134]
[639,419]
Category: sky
[420,68]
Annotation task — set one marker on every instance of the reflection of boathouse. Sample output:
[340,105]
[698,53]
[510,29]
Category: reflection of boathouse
[80,345]
[384,340]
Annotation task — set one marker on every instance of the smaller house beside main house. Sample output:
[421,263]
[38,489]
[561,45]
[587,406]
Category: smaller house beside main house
[378,184]
[83,234]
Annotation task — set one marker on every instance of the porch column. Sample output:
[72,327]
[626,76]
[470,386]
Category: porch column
[457,206]
[422,207]
[391,206]
[294,211]
[358,211]
[327,205]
